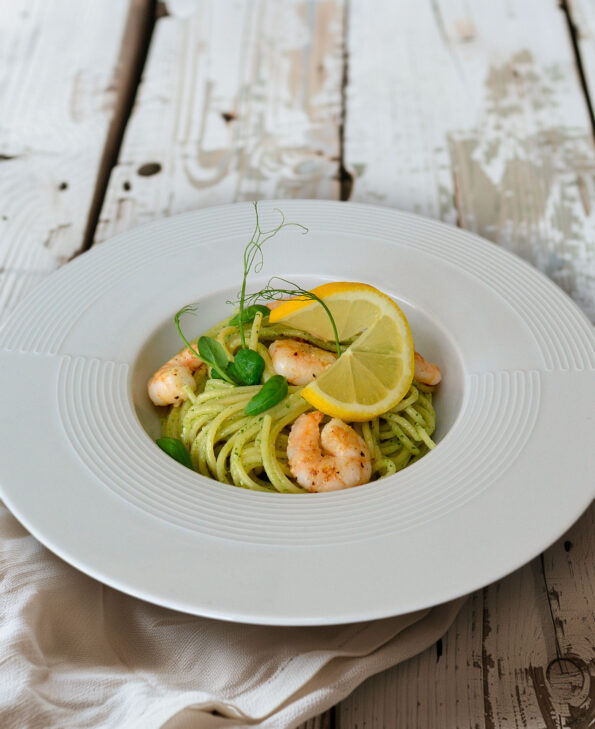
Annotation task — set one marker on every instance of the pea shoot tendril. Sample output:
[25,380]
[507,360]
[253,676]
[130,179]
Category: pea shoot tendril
[188,309]
[247,366]
[253,256]
[275,293]
[254,261]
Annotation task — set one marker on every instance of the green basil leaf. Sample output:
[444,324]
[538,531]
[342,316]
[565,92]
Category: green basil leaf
[212,352]
[248,314]
[271,393]
[232,373]
[248,365]
[229,375]
[175,448]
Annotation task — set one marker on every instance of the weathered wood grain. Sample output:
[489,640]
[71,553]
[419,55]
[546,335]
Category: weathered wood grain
[56,110]
[569,580]
[133,51]
[474,114]
[499,666]
[239,100]
[582,19]
[324,721]
[422,691]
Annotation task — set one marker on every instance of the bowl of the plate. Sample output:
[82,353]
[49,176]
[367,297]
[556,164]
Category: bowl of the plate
[430,339]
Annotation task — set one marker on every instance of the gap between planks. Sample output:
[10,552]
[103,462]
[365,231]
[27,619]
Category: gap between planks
[232,107]
[133,53]
[580,68]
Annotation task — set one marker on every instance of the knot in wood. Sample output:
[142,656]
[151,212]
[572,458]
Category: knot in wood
[569,680]
[148,169]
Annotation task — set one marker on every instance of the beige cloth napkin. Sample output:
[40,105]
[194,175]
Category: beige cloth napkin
[76,654]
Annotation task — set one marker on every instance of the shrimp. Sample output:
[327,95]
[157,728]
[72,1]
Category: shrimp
[346,459]
[299,362]
[425,372]
[166,386]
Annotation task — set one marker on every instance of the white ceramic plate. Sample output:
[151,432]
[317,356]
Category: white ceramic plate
[510,474]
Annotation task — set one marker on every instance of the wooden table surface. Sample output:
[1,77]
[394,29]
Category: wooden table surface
[118,112]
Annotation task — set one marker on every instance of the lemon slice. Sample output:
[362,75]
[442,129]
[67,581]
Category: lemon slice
[376,371]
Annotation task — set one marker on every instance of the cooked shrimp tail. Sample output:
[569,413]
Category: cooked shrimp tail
[298,362]
[336,458]
[426,372]
[168,385]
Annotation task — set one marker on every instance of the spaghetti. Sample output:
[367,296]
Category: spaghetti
[251,451]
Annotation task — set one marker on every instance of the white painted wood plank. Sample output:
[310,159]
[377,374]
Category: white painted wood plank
[240,100]
[58,81]
[421,692]
[323,721]
[473,114]
[497,666]
[582,14]
[569,567]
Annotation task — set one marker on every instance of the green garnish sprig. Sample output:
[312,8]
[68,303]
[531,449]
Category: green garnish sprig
[253,258]
[248,315]
[275,293]
[246,368]
[209,351]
